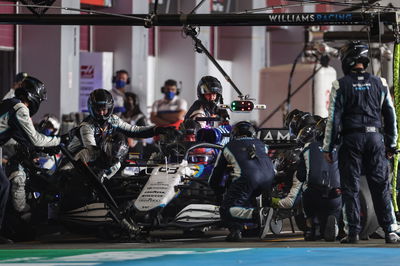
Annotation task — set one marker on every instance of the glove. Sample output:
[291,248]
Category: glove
[390,151]
[51,150]
[223,114]
[65,139]
[275,203]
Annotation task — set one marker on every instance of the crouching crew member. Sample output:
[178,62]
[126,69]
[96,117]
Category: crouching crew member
[252,174]
[358,101]
[322,200]
[100,124]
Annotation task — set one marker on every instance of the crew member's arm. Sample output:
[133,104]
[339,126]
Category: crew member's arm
[26,130]
[177,115]
[157,120]
[172,117]
[297,184]
[154,118]
[218,172]
[132,131]
[288,201]
[389,117]
[335,111]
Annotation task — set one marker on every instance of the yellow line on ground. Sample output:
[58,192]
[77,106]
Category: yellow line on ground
[283,239]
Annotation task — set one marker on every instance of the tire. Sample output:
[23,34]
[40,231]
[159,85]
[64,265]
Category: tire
[369,222]
[299,216]
[276,226]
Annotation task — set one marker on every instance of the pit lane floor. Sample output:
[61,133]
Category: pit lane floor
[172,248]
[175,239]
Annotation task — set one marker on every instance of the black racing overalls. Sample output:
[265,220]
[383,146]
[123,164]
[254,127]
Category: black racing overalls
[358,102]
[252,174]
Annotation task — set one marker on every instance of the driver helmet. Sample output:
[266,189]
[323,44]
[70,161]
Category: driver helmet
[32,91]
[209,85]
[100,105]
[190,128]
[353,53]
[243,128]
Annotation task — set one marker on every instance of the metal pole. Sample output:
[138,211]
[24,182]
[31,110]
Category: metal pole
[270,19]
[199,47]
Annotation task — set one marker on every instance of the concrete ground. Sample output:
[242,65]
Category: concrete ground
[176,239]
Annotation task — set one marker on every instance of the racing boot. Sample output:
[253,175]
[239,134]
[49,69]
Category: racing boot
[4,240]
[234,236]
[331,229]
[392,238]
[309,233]
[350,239]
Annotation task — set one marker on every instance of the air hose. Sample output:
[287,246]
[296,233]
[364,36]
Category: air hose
[396,84]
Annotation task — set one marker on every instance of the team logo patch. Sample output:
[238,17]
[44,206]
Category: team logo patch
[198,168]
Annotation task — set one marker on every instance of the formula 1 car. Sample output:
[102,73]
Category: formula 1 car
[157,196]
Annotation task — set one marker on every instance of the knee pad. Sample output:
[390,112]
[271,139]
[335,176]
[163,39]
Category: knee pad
[18,196]
[18,178]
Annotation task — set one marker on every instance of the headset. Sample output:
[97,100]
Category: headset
[172,82]
[121,71]
[243,128]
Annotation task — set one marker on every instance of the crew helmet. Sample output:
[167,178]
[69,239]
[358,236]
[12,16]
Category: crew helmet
[353,53]
[100,99]
[209,84]
[20,77]
[287,160]
[290,116]
[299,121]
[33,91]
[243,128]
[306,134]
[49,125]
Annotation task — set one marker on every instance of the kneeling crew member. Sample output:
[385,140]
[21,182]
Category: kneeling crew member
[252,174]
[322,197]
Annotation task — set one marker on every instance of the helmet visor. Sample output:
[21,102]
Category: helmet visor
[102,108]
